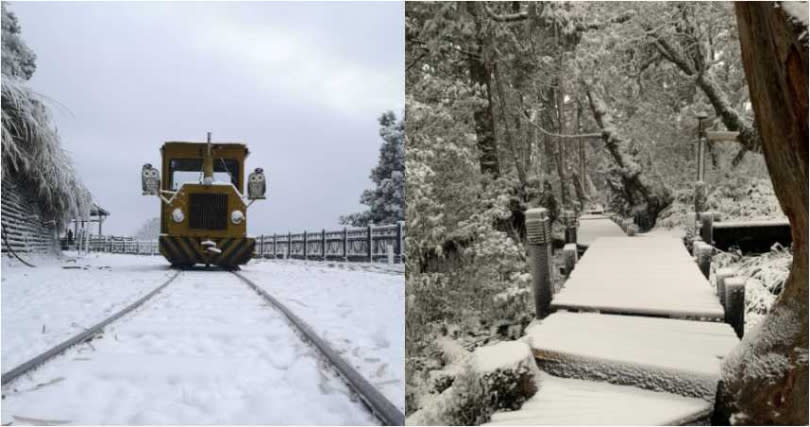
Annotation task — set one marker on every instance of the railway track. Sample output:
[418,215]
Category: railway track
[210,339]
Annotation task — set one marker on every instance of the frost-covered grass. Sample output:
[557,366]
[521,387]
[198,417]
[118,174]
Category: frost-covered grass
[46,305]
[765,275]
[355,307]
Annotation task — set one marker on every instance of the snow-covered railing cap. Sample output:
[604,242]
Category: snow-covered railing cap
[537,228]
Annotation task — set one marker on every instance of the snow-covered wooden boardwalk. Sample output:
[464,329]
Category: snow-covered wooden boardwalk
[652,275]
[636,337]
[563,401]
[592,227]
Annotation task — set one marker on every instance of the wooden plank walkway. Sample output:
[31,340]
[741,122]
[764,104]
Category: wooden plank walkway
[652,275]
[562,401]
[592,227]
[637,336]
[676,356]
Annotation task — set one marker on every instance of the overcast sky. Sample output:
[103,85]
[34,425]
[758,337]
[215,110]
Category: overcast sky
[301,83]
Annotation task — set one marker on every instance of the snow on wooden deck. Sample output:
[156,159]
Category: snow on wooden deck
[652,275]
[676,356]
[562,401]
[592,227]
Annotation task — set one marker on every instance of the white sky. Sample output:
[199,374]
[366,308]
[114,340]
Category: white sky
[301,83]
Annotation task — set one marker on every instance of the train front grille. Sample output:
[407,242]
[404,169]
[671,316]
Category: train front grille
[208,211]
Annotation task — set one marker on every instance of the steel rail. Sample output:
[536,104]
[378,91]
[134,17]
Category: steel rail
[21,369]
[379,405]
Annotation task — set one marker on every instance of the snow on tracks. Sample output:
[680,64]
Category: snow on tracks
[359,313]
[206,350]
[46,305]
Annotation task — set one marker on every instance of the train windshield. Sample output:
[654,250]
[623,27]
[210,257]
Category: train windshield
[189,171]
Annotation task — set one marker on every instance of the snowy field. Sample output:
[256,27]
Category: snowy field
[46,305]
[206,350]
[358,308]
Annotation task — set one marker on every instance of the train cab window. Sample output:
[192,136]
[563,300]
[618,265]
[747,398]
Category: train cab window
[189,171]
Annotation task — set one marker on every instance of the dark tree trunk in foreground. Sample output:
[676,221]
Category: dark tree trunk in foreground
[765,379]
[647,195]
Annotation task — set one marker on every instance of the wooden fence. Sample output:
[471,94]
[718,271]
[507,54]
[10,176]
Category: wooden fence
[369,244]
[118,245]
[25,228]
[384,243]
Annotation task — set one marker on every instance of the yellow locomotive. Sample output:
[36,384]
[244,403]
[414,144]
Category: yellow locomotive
[203,211]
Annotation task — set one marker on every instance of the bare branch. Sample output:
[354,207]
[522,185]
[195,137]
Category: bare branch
[530,119]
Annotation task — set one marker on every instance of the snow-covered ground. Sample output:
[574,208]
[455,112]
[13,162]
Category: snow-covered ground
[361,313]
[46,305]
[208,350]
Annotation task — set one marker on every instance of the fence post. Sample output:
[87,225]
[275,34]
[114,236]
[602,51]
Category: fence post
[538,237]
[289,245]
[570,221]
[370,244]
[570,256]
[323,244]
[706,225]
[703,252]
[720,278]
[399,246]
[306,249]
[275,242]
[345,244]
[261,246]
[735,304]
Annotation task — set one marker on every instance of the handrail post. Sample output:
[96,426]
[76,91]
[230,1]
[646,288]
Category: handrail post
[261,246]
[538,235]
[735,304]
[275,242]
[289,245]
[370,244]
[306,249]
[703,252]
[570,257]
[323,244]
[345,244]
[399,244]
[706,227]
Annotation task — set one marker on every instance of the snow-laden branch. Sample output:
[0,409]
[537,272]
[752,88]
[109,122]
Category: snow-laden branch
[530,118]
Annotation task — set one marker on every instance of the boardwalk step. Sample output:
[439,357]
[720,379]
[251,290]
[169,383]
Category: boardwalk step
[650,275]
[563,401]
[677,356]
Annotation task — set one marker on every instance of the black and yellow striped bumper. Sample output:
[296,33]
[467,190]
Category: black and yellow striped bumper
[180,250]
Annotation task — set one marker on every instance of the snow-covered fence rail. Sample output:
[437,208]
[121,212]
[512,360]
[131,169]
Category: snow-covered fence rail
[24,228]
[366,244]
[123,245]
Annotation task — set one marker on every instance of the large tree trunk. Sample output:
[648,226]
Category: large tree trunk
[647,195]
[484,120]
[765,379]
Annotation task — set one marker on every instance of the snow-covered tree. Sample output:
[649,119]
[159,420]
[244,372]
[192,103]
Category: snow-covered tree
[31,148]
[386,201]
[149,230]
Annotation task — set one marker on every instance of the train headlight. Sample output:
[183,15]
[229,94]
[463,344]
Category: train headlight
[177,215]
[237,217]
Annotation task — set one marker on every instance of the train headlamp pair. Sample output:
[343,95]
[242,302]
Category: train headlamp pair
[236,216]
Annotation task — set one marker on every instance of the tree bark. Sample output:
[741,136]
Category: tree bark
[647,196]
[765,378]
[483,117]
